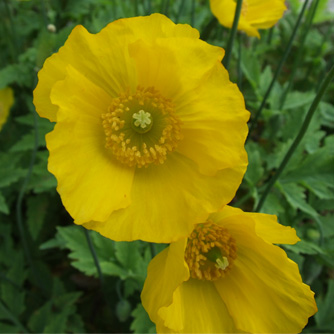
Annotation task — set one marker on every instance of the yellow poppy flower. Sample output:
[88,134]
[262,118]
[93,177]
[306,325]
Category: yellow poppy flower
[228,277]
[255,14]
[150,131]
[6,102]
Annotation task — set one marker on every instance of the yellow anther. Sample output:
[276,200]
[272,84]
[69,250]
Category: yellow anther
[210,252]
[141,128]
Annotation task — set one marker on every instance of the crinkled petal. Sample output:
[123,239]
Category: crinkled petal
[224,11]
[197,308]
[263,292]
[174,66]
[168,199]
[165,273]
[104,57]
[210,107]
[271,12]
[90,181]
[215,124]
[266,226]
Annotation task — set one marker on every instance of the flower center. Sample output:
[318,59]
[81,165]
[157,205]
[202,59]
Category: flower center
[210,252]
[141,128]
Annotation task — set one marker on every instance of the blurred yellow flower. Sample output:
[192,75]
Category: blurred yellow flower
[6,102]
[150,132]
[228,277]
[255,14]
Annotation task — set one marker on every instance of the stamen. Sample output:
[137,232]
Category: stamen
[141,128]
[210,252]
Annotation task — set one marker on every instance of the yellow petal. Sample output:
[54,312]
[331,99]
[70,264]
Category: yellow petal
[6,102]
[214,124]
[174,66]
[168,199]
[197,308]
[270,230]
[263,292]
[271,12]
[149,28]
[90,181]
[165,273]
[104,57]
[224,11]
[266,226]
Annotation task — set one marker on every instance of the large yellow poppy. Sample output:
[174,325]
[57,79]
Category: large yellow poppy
[149,135]
[228,277]
[6,102]
[255,14]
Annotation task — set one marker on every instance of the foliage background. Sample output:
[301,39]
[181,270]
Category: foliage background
[48,279]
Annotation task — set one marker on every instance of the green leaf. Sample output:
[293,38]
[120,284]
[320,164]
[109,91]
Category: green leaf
[42,180]
[141,322]
[255,171]
[10,175]
[323,12]
[3,206]
[297,99]
[27,142]
[272,205]
[305,247]
[37,208]
[325,316]
[251,67]
[7,328]
[74,239]
[131,259]
[128,254]
[295,195]
[53,316]
[265,80]
[315,172]
[328,226]
[13,296]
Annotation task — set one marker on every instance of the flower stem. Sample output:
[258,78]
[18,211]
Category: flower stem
[299,137]
[239,60]
[300,51]
[229,47]
[94,255]
[278,70]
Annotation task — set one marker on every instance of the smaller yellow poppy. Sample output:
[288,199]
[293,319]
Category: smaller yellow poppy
[255,14]
[6,102]
[229,277]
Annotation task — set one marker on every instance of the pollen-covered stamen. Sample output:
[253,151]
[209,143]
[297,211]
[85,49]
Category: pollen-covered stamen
[141,128]
[210,252]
